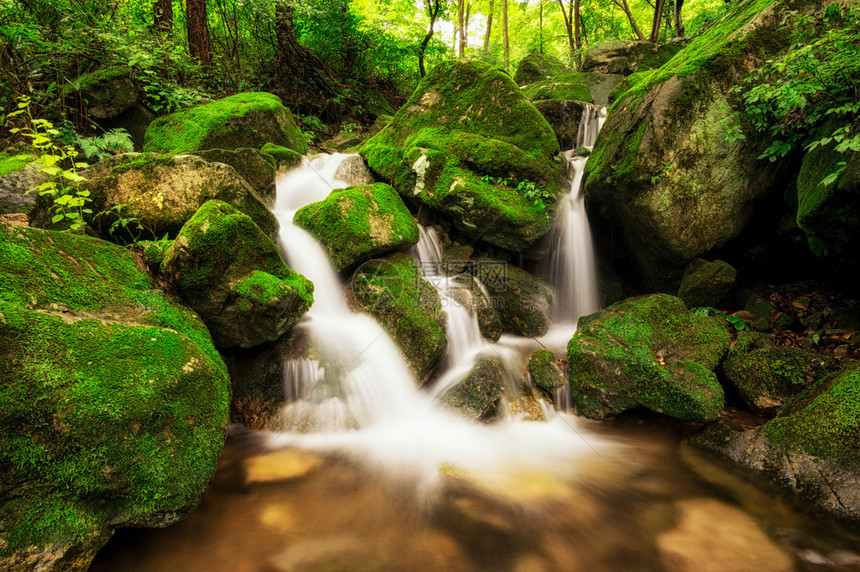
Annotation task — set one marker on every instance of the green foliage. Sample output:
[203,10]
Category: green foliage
[69,202]
[112,142]
[734,321]
[813,83]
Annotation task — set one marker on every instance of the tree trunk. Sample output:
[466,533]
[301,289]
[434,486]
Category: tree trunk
[433,8]
[541,27]
[489,27]
[679,20]
[577,32]
[505,35]
[658,19]
[623,5]
[197,21]
[461,27]
[567,13]
[163,18]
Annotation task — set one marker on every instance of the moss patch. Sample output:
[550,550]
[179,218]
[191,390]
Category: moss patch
[11,163]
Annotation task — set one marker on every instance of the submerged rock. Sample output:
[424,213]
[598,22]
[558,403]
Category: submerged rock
[406,306]
[521,300]
[113,405]
[359,223]
[161,193]
[242,120]
[811,448]
[675,167]
[462,144]
[538,67]
[650,352]
[234,277]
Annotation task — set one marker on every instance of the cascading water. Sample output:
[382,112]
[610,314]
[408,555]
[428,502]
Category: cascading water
[361,399]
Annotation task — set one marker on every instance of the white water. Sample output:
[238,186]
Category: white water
[573,272]
[361,399]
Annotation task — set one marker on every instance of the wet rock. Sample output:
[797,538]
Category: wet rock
[477,397]
[547,371]
[408,308]
[476,299]
[355,172]
[109,389]
[257,169]
[241,120]
[651,352]
[461,145]
[706,283]
[232,274]
[522,300]
[357,224]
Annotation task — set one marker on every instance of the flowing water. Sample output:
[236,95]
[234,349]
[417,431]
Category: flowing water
[373,474]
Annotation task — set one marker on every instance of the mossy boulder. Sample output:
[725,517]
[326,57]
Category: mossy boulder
[163,192]
[257,169]
[282,157]
[461,145]
[675,167]
[812,447]
[829,215]
[107,93]
[408,308]
[359,223]
[242,120]
[478,396]
[547,371]
[706,283]
[521,299]
[113,400]
[628,56]
[232,274]
[648,352]
[539,67]
[767,377]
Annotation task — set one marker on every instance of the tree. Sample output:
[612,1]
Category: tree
[163,18]
[489,27]
[655,22]
[505,35]
[197,24]
[626,9]
[679,21]
[572,19]
[461,26]
[434,10]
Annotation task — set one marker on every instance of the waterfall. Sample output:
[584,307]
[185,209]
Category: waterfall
[360,399]
[572,270]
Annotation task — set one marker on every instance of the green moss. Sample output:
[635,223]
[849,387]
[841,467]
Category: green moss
[407,307]
[538,67]
[569,87]
[283,157]
[106,75]
[12,163]
[823,421]
[478,395]
[241,120]
[359,223]
[545,371]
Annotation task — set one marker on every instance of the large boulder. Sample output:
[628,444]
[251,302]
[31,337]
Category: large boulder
[359,223]
[161,193]
[811,448]
[232,274]
[522,300]
[113,400]
[462,144]
[408,308]
[107,93]
[538,67]
[675,167]
[628,56]
[241,120]
[829,214]
[648,352]
[256,168]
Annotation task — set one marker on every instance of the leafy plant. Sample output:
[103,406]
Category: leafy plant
[136,229]
[69,202]
[531,191]
[667,168]
[734,321]
[113,142]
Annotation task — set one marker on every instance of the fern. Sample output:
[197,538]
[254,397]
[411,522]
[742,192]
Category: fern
[113,142]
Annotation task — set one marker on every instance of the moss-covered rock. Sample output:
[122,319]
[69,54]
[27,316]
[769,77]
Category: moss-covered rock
[650,352]
[241,120]
[811,448]
[231,274]
[564,118]
[546,371]
[767,377]
[257,169]
[628,56]
[521,300]
[675,167]
[477,397]
[107,93]
[163,192]
[538,67]
[706,283]
[282,157]
[829,214]
[17,177]
[408,308]
[359,223]
[113,400]
[467,122]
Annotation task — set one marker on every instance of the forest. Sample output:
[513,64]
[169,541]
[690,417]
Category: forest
[468,285]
